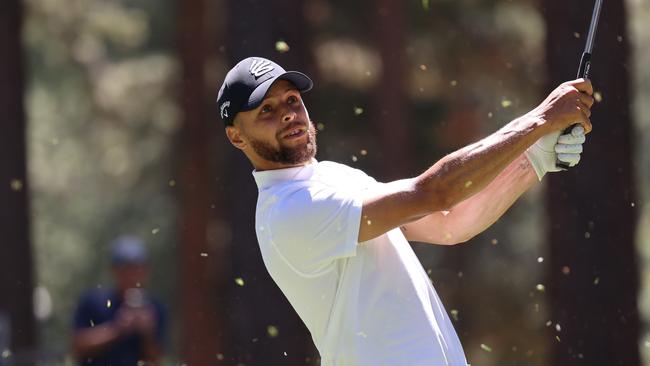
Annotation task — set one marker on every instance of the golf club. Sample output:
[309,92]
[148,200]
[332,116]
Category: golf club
[585,62]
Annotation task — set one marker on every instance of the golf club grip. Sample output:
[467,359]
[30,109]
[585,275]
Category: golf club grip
[583,72]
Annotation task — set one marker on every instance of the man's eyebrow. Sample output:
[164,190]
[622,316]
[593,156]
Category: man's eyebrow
[287,90]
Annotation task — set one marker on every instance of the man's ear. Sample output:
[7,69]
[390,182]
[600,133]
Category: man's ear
[235,137]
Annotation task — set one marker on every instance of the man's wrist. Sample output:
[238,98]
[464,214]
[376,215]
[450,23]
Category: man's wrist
[537,165]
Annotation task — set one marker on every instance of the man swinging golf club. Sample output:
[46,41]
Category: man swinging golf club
[336,241]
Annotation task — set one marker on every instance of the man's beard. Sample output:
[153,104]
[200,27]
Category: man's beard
[288,155]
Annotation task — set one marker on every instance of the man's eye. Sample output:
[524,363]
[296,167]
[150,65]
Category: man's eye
[292,99]
[266,109]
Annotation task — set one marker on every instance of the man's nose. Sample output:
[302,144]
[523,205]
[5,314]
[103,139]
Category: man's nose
[289,115]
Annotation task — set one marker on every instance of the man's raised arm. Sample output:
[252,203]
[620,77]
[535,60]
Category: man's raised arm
[469,170]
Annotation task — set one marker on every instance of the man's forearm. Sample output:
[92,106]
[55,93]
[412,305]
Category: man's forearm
[89,342]
[461,174]
[477,213]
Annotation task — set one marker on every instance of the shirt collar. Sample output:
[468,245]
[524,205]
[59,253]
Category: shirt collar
[267,178]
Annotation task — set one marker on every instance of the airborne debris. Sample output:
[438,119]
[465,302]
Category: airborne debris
[423,67]
[16,185]
[239,281]
[108,303]
[506,103]
[540,287]
[576,34]
[281,46]
[6,353]
[486,348]
[155,230]
[495,241]
[454,314]
[204,254]
[598,97]
[540,259]
[272,331]
[566,270]
[453,83]
[364,152]
[358,111]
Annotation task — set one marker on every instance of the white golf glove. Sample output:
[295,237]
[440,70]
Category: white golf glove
[552,147]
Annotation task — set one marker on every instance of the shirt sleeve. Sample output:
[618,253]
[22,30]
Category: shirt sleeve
[315,225]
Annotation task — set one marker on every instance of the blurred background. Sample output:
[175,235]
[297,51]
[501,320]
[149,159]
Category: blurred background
[109,127]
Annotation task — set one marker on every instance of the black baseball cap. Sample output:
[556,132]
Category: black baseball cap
[246,85]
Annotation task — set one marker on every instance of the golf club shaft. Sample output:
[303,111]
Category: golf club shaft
[585,62]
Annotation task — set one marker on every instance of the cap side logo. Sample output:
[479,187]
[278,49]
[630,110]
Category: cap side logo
[260,67]
[224,111]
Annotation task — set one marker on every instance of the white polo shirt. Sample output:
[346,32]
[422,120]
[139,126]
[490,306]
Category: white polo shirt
[368,304]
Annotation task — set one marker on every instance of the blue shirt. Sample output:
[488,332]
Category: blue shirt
[99,306]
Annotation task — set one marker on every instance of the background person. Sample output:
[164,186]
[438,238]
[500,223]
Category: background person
[123,325]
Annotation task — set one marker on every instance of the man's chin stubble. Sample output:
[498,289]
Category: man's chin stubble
[288,155]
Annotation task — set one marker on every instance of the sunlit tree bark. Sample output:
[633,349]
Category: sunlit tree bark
[592,270]
[390,112]
[203,252]
[15,251]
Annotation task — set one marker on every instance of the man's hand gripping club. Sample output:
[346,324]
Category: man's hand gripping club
[554,146]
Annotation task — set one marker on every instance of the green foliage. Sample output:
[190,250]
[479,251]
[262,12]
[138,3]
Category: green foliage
[102,125]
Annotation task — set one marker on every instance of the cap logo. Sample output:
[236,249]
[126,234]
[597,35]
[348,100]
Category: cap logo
[224,111]
[260,67]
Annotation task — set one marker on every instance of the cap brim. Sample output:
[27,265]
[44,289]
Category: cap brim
[300,80]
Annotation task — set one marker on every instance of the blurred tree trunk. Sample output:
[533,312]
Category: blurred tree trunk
[592,215]
[203,252]
[390,112]
[253,28]
[15,255]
